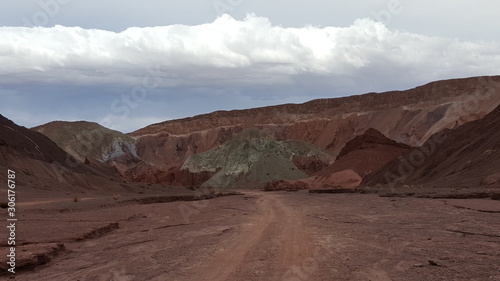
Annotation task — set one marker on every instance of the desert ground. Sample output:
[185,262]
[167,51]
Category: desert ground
[256,235]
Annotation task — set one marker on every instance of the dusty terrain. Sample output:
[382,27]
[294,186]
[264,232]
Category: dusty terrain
[262,236]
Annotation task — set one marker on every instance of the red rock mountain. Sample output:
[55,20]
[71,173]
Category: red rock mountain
[155,154]
[408,117]
[468,156]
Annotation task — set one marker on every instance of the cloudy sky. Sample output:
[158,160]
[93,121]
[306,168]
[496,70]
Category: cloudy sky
[129,63]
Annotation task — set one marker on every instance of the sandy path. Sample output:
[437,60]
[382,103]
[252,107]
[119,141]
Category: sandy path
[274,222]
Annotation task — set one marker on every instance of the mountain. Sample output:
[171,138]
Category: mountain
[157,153]
[422,110]
[85,140]
[408,117]
[468,156]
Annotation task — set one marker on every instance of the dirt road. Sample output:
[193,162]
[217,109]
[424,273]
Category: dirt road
[274,221]
[263,236]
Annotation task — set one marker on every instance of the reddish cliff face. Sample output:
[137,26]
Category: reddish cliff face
[366,153]
[369,140]
[468,156]
[409,117]
[462,99]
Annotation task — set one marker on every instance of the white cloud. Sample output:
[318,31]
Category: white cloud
[235,53]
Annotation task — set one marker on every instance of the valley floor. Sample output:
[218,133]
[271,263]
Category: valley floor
[266,236]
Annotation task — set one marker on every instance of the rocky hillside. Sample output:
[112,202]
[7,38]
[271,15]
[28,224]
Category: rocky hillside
[422,111]
[360,156]
[468,156]
[156,154]
[42,164]
[251,159]
[408,117]
[23,142]
[84,140]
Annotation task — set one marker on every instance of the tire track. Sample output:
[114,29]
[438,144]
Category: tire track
[274,221]
[227,261]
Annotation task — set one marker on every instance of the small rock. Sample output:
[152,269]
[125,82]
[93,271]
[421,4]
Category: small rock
[418,265]
[431,262]
[481,253]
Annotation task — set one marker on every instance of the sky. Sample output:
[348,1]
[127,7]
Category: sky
[127,64]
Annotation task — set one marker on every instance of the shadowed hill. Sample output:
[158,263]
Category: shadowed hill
[468,156]
[41,164]
[27,143]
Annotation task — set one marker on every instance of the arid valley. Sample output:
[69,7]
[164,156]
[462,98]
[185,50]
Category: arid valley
[401,185]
